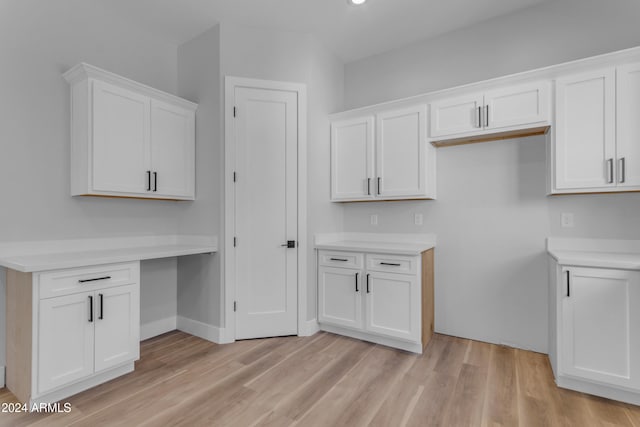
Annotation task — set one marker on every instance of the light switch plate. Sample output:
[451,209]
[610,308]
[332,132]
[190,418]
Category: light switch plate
[417,219]
[566,220]
[374,219]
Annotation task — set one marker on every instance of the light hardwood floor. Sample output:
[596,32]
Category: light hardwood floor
[328,380]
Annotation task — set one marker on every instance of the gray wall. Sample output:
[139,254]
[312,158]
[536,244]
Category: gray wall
[492,215]
[41,40]
[199,291]
[547,34]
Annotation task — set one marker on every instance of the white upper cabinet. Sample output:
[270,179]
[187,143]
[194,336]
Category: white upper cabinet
[173,150]
[456,115]
[585,130]
[628,126]
[500,110]
[401,153]
[382,157]
[595,146]
[121,137]
[352,151]
[129,140]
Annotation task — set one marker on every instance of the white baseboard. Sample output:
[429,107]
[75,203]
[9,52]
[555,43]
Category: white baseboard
[158,327]
[310,327]
[2,383]
[201,330]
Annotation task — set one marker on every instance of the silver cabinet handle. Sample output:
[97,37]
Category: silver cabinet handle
[610,170]
[368,186]
[479,117]
[623,170]
[379,185]
[357,289]
[486,116]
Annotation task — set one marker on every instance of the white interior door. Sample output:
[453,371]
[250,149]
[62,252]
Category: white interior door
[266,194]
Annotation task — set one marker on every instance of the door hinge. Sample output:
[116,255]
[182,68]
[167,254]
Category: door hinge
[235,242]
[235,177]
[235,306]
[234,112]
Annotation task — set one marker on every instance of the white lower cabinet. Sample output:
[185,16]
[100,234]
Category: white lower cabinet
[393,305]
[73,329]
[596,331]
[377,297]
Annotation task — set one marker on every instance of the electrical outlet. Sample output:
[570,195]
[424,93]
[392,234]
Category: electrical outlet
[374,219]
[566,220]
[417,219]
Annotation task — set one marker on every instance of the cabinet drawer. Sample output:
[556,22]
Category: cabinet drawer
[74,280]
[393,263]
[340,259]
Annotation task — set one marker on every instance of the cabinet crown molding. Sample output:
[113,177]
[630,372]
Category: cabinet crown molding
[84,71]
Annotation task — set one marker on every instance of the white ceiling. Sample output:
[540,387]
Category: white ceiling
[351,32]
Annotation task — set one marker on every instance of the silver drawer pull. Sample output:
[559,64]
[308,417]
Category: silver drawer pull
[390,263]
[339,259]
[94,280]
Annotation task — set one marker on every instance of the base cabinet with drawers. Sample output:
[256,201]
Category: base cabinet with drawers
[68,330]
[595,330]
[387,299]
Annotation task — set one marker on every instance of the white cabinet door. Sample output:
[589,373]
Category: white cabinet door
[352,152]
[600,333]
[401,153]
[457,115]
[628,125]
[65,340]
[517,106]
[117,326]
[340,297]
[585,131]
[120,150]
[393,305]
[172,150]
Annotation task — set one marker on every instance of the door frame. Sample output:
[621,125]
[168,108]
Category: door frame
[228,330]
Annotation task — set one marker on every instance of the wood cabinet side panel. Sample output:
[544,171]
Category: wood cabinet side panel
[19,333]
[428,307]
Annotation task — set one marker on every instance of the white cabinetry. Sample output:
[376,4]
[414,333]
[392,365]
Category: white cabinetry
[129,140]
[595,147]
[595,332]
[377,297]
[77,328]
[394,164]
[496,111]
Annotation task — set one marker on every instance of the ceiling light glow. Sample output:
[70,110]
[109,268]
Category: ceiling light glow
[356,2]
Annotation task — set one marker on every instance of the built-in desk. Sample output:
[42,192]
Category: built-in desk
[73,310]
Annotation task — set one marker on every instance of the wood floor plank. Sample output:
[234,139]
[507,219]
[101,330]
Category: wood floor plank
[501,403]
[434,402]
[350,402]
[467,402]
[327,379]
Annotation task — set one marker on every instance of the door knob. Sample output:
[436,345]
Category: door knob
[291,244]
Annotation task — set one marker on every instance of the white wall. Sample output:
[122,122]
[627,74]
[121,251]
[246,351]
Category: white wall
[547,34]
[199,290]
[492,215]
[39,41]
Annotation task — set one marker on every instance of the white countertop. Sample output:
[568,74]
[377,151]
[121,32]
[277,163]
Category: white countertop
[388,243]
[31,257]
[598,253]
